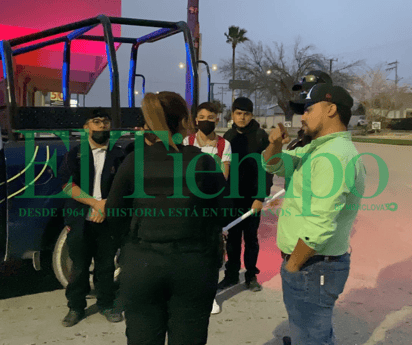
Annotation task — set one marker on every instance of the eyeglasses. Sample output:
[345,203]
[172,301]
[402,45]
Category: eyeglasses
[97,122]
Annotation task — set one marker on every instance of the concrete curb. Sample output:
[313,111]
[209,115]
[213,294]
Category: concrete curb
[382,141]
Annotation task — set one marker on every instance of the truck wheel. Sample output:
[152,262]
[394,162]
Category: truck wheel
[62,263]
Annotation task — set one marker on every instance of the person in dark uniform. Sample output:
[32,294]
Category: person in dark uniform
[170,261]
[89,235]
[246,137]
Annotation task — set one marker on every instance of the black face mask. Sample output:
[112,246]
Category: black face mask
[206,127]
[101,137]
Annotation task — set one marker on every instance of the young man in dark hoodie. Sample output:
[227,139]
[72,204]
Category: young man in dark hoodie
[246,138]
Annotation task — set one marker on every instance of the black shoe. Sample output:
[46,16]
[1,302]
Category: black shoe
[253,285]
[72,318]
[112,315]
[287,341]
[227,282]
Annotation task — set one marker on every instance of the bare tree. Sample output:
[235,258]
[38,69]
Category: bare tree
[220,106]
[272,73]
[377,95]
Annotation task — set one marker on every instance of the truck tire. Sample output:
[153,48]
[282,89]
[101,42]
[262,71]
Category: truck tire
[62,264]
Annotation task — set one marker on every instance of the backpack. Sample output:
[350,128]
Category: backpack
[220,144]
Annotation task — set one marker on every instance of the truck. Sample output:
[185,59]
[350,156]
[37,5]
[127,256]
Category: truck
[34,139]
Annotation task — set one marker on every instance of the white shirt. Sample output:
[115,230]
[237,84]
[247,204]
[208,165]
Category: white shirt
[212,150]
[99,156]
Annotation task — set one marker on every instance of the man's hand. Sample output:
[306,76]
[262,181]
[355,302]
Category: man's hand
[98,214]
[299,256]
[277,138]
[256,206]
[279,135]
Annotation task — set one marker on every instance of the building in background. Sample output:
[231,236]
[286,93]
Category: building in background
[39,72]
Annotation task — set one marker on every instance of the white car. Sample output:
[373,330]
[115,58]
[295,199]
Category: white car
[362,122]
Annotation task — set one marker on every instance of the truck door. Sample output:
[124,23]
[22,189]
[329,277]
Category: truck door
[3,202]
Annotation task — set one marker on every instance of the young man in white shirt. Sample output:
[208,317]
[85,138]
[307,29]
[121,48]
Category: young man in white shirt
[209,142]
[89,235]
[206,138]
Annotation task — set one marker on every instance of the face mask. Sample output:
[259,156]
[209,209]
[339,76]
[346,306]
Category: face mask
[101,137]
[206,127]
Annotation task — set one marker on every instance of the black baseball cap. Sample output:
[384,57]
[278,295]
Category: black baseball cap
[243,103]
[323,92]
[311,79]
[98,112]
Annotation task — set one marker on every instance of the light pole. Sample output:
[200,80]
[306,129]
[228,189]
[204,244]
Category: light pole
[396,72]
[330,65]
[212,88]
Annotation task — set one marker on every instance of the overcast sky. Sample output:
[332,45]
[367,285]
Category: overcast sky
[375,30]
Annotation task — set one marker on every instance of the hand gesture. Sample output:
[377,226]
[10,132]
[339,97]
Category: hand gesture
[257,206]
[279,135]
[98,214]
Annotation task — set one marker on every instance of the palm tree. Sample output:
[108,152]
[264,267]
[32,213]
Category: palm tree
[234,37]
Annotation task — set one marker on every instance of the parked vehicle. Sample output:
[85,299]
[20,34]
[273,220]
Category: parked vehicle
[362,121]
[31,212]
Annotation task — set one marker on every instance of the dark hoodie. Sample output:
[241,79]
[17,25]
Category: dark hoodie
[244,141]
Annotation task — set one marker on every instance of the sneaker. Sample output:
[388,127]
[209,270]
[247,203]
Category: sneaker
[72,318]
[227,282]
[253,285]
[216,309]
[112,315]
[287,341]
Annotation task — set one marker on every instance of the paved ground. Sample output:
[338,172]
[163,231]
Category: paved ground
[375,308]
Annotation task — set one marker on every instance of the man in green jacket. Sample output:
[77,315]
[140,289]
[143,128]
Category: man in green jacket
[323,180]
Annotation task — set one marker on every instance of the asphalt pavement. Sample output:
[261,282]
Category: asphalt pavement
[375,308]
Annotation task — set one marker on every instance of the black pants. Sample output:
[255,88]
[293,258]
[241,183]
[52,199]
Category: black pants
[249,229]
[164,289]
[95,241]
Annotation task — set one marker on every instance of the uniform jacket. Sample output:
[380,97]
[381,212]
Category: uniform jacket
[71,168]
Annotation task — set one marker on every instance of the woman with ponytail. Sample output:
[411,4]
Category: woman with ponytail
[171,258]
